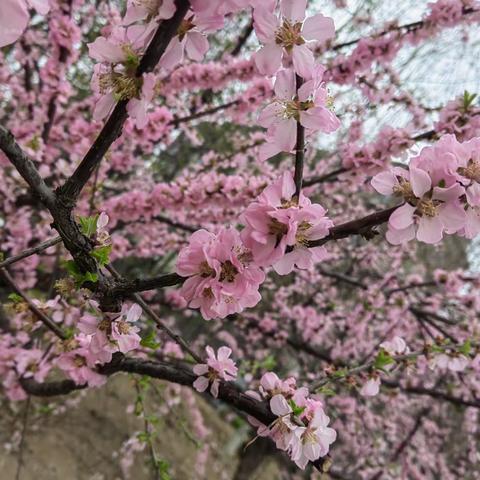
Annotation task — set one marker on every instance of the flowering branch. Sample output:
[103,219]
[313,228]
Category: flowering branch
[112,129]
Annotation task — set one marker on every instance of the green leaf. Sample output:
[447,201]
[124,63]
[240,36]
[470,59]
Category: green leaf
[149,340]
[13,297]
[382,360]
[102,254]
[327,391]
[88,225]
[466,348]
[295,408]
[79,277]
[468,99]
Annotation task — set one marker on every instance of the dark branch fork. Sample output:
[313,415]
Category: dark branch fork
[61,203]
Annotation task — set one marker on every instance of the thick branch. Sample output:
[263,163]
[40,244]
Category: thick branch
[362,226]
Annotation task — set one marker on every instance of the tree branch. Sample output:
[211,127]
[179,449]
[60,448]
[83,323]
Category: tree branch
[114,125]
[25,167]
[50,324]
[299,148]
[31,251]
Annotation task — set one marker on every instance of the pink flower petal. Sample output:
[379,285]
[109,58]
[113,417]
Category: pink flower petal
[268,59]
[402,217]
[318,28]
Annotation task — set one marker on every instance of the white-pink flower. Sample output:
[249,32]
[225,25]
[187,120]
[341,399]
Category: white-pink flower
[14,17]
[371,387]
[277,222]
[313,441]
[289,36]
[455,363]
[429,211]
[308,106]
[395,346]
[218,368]
[140,10]
[190,40]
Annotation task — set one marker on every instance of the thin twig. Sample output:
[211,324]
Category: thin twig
[21,447]
[161,325]
[30,251]
[49,323]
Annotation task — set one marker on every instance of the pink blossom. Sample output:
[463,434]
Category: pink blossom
[289,37]
[221,277]
[277,221]
[14,17]
[139,10]
[114,78]
[124,333]
[137,107]
[429,210]
[190,41]
[80,367]
[371,387]
[308,106]
[395,346]
[314,440]
[217,368]
[283,429]
[454,363]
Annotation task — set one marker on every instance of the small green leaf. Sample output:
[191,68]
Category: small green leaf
[13,297]
[79,277]
[327,391]
[466,348]
[149,341]
[295,408]
[102,254]
[88,225]
[382,360]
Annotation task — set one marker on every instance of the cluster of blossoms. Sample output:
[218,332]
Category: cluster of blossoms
[301,428]
[307,105]
[96,343]
[441,191]
[218,368]
[119,52]
[460,117]
[345,69]
[374,157]
[224,270]
[288,40]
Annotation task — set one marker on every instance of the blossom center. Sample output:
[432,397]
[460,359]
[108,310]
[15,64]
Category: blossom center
[104,325]
[207,293]
[289,35]
[123,327]
[427,207]
[228,272]
[277,228]
[301,235]
[79,361]
[186,25]
[206,270]
[404,189]
[471,171]
[123,87]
